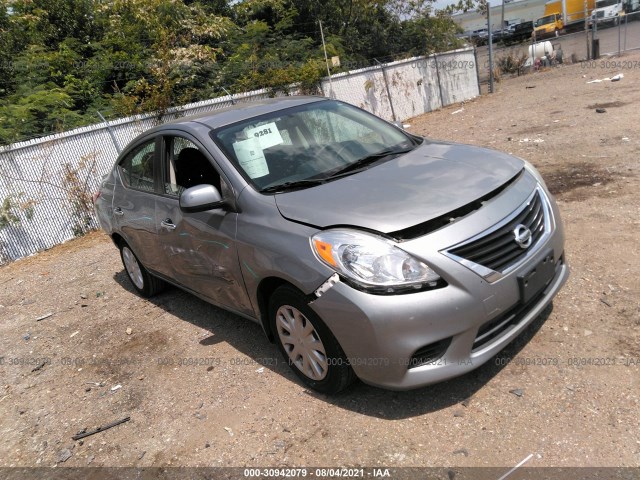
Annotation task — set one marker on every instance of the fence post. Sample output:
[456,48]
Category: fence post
[435,59]
[490,47]
[233,102]
[475,56]
[110,130]
[386,84]
[625,33]
[586,28]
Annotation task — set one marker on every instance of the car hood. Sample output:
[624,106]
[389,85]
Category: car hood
[431,180]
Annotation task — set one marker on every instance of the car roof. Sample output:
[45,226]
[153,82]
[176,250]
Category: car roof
[242,111]
[226,115]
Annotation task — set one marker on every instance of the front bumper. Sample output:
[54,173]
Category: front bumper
[381,334]
[546,31]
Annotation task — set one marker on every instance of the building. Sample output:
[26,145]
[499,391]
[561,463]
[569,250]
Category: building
[523,10]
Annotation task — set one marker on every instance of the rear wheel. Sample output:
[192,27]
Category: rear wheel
[145,284]
[309,347]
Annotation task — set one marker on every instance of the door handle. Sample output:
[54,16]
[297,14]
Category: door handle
[118,211]
[168,224]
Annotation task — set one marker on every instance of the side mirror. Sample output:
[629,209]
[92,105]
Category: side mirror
[200,198]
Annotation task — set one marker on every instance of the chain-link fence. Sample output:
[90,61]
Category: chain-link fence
[46,184]
[618,34]
[612,37]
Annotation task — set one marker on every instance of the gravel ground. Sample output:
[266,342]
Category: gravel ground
[203,387]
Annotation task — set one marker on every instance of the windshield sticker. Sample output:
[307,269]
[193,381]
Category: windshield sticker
[268,135]
[251,157]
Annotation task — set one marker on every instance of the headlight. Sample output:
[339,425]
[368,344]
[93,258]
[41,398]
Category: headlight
[371,261]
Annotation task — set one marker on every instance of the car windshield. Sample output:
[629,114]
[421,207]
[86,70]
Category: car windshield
[309,144]
[545,20]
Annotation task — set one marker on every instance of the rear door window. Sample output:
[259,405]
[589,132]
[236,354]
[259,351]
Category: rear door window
[137,169]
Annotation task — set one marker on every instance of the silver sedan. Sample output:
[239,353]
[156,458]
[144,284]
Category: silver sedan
[362,250]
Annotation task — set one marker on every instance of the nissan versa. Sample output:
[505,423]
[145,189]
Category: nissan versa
[362,250]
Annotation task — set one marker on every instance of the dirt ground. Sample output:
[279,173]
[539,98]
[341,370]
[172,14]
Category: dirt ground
[203,387]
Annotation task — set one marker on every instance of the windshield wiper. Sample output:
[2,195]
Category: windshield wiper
[340,172]
[363,162]
[292,185]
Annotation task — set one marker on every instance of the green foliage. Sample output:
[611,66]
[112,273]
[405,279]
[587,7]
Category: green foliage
[46,109]
[466,5]
[64,59]
[7,214]
[12,207]
[50,22]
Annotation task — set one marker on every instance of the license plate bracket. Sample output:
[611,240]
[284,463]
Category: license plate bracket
[532,282]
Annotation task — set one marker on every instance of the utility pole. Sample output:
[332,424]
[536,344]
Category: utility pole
[502,24]
[326,60]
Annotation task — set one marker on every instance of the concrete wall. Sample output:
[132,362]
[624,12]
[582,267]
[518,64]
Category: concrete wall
[415,86]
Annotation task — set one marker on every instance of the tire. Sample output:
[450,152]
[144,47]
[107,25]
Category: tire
[145,284]
[314,354]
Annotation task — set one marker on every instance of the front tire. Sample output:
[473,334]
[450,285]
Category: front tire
[145,284]
[307,344]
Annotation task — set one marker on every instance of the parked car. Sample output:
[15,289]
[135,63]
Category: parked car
[520,32]
[480,37]
[500,35]
[362,250]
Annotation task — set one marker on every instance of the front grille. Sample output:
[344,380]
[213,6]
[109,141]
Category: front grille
[498,250]
[429,353]
[600,14]
[502,324]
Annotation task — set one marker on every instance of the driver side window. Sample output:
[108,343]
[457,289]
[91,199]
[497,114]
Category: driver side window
[186,166]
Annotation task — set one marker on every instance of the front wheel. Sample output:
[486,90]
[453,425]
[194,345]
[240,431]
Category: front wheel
[309,347]
[145,284]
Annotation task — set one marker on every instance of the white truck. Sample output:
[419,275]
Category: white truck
[613,10]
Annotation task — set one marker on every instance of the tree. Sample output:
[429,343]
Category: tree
[61,60]
[173,43]
[50,22]
[47,109]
